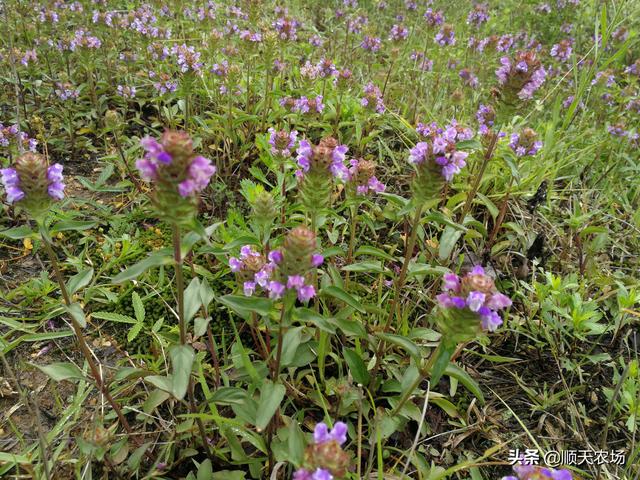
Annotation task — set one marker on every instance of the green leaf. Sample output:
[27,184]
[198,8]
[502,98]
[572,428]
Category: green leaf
[138,307]
[343,296]
[356,366]
[271,395]
[290,343]
[134,331]
[76,312]
[296,444]
[17,233]
[245,305]
[448,241]
[200,326]
[182,357]
[113,317]
[205,470]
[192,299]
[160,381]
[403,342]
[465,379]
[368,267]
[228,396]
[374,252]
[61,371]
[74,225]
[443,355]
[306,315]
[79,280]
[139,268]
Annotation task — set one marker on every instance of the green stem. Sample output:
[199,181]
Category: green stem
[82,343]
[476,182]
[424,372]
[177,256]
[352,241]
[405,265]
[283,316]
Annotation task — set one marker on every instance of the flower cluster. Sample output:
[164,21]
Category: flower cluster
[172,163]
[282,142]
[475,292]
[324,459]
[303,104]
[188,58]
[82,38]
[478,15]
[486,116]
[441,149]
[362,176]
[373,98]
[525,143]
[327,155]
[126,91]
[561,51]
[445,36]
[13,133]
[521,76]
[534,472]
[65,91]
[282,270]
[433,18]
[398,33]
[371,44]
[287,28]
[32,180]
[470,79]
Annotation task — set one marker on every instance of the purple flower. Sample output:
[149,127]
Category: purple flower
[11,182]
[445,36]
[249,288]
[398,33]
[295,281]
[478,15]
[433,18]
[525,143]
[282,143]
[316,260]
[276,290]
[477,293]
[275,256]
[373,98]
[197,172]
[56,185]
[371,44]
[306,293]
[338,433]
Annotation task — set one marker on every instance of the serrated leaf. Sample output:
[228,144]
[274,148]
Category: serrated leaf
[114,317]
[138,307]
[134,331]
